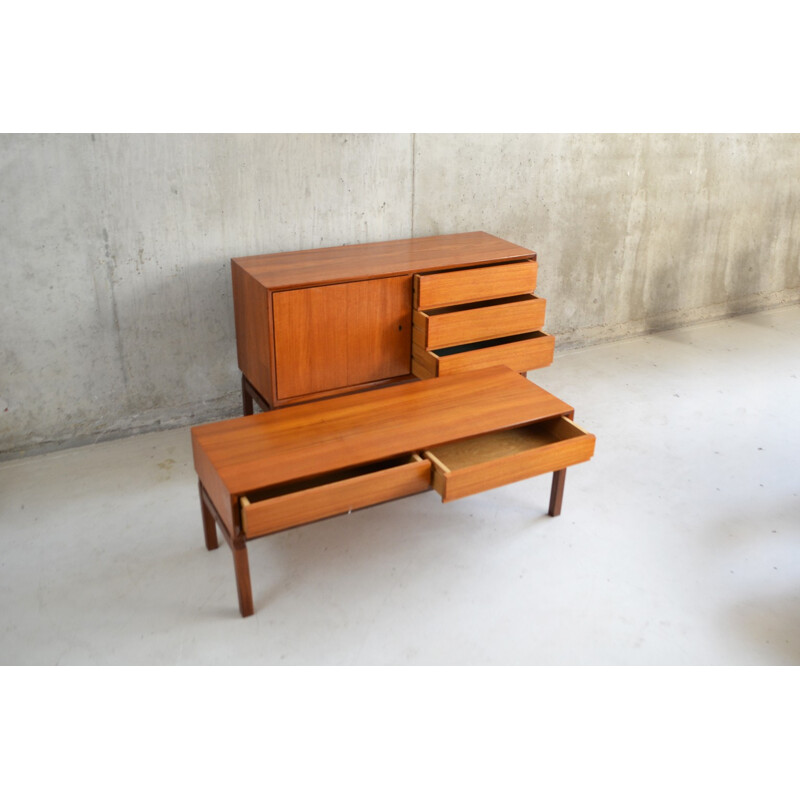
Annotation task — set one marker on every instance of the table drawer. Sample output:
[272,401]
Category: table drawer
[484,462]
[478,321]
[285,506]
[434,290]
[521,353]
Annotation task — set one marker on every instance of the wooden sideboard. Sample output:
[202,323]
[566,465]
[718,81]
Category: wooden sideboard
[336,320]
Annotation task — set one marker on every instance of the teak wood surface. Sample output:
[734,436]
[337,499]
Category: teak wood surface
[237,456]
[479,283]
[379,259]
[465,324]
[343,334]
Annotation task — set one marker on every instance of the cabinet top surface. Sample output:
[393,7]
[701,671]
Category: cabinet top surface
[379,259]
[286,444]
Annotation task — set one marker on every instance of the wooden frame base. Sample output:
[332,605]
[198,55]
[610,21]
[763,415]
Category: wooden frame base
[557,492]
[250,395]
[238,543]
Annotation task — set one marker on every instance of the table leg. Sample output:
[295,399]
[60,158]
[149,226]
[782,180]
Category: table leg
[238,545]
[557,492]
[250,397]
[241,565]
[209,523]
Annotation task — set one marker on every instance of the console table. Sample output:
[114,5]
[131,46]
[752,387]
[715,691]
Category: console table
[458,434]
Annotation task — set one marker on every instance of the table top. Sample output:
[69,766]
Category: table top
[247,453]
[379,259]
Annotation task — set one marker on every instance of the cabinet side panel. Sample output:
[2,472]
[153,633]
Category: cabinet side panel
[253,329]
[378,329]
[213,484]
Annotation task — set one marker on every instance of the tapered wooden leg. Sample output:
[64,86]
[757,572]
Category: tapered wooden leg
[557,492]
[242,566]
[209,523]
[247,398]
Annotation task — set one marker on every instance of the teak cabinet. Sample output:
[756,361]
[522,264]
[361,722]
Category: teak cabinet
[315,323]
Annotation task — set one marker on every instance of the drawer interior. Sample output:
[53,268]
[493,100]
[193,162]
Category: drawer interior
[327,478]
[297,502]
[498,301]
[443,352]
[494,459]
[502,444]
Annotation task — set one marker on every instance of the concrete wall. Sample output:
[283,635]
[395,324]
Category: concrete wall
[116,304]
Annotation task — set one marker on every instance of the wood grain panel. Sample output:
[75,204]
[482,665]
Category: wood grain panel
[489,320]
[334,494]
[212,482]
[378,318]
[251,317]
[342,335]
[304,440]
[380,259]
[310,339]
[451,288]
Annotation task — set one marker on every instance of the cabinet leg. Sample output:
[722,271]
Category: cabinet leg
[247,398]
[557,492]
[209,523]
[241,565]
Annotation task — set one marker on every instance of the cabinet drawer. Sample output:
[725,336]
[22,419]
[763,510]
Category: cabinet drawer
[495,318]
[468,285]
[296,503]
[484,462]
[521,353]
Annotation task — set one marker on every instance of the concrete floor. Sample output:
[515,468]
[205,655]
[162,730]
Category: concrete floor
[679,543]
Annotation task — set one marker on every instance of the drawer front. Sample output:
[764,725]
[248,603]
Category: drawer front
[485,462]
[469,285]
[333,494]
[521,353]
[489,320]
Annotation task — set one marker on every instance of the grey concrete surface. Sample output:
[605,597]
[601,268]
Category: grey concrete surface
[117,314]
[677,544]
[634,233]
[116,306]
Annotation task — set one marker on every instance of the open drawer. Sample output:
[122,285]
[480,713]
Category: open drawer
[445,327]
[286,505]
[494,459]
[522,352]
